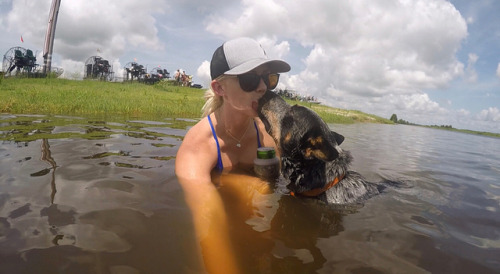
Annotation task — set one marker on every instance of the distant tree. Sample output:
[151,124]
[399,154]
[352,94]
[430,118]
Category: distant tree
[394,118]
[404,122]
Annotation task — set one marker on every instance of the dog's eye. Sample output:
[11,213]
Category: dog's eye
[320,148]
[318,141]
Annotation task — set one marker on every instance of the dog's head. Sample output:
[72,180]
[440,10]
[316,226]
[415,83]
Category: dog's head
[298,131]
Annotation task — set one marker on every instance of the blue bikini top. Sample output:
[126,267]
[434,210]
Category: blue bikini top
[219,166]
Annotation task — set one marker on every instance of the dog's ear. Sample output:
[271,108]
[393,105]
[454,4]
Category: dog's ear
[319,148]
[337,137]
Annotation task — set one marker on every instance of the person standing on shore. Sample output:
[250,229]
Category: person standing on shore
[177,76]
[226,139]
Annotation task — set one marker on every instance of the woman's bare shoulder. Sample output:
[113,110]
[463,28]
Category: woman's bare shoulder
[197,151]
[198,137]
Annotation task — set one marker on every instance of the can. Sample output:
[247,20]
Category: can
[267,165]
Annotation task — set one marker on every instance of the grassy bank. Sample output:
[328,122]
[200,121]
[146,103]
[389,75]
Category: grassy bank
[96,98]
[152,102]
[483,133]
[342,116]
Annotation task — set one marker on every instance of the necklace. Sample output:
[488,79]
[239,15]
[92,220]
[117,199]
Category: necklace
[238,144]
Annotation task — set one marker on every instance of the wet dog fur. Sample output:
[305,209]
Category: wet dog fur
[311,157]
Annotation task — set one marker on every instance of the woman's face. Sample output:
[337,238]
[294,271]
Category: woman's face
[240,100]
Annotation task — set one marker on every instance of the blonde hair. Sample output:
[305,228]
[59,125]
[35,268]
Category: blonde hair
[212,100]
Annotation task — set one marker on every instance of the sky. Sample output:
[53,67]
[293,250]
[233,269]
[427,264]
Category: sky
[430,62]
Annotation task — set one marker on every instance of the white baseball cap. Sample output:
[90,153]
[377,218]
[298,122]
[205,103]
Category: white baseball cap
[240,56]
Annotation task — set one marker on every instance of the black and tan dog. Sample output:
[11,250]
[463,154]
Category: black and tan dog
[312,162]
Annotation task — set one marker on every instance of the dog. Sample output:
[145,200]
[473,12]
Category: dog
[312,162]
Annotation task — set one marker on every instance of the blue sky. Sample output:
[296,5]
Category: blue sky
[428,61]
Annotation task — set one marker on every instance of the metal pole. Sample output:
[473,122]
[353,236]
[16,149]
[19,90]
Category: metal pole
[49,36]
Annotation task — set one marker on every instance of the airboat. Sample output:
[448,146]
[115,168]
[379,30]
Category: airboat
[98,68]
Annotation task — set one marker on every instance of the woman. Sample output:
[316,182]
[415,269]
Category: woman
[226,139]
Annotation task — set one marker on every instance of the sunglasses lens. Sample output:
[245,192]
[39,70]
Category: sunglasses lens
[272,79]
[250,81]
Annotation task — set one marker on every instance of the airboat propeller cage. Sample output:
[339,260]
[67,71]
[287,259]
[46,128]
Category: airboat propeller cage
[97,67]
[18,60]
[134,70]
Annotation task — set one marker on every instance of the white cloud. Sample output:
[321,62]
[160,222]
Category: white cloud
[72,69]
[491,114]
[203,72]
[416,108]
[420,103]
[369,48]
[273,48]
[258,18]
[376,56]
[463,112]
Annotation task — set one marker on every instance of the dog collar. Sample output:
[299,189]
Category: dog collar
[317,191]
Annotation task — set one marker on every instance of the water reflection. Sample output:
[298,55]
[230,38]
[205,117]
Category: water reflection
[46,156]
[91,196]
[100,196]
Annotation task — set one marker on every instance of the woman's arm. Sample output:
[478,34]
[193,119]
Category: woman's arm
[193,165]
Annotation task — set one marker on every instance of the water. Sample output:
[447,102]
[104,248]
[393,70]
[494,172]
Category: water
[90,196]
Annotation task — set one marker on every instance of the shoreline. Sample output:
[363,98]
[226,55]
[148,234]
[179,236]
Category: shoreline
[97,98]
[90,98]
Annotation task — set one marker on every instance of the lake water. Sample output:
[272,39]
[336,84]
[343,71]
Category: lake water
[91,196]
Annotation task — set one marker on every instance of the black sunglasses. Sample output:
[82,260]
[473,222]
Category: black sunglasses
[250,81]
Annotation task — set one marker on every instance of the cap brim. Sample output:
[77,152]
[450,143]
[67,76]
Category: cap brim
[277,66]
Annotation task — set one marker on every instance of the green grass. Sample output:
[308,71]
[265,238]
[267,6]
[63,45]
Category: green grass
[96,98]
[483,133]
[52,96]
[342,116]
[102,99]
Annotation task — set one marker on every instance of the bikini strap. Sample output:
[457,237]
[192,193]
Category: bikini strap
[257,129]
[220,167]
